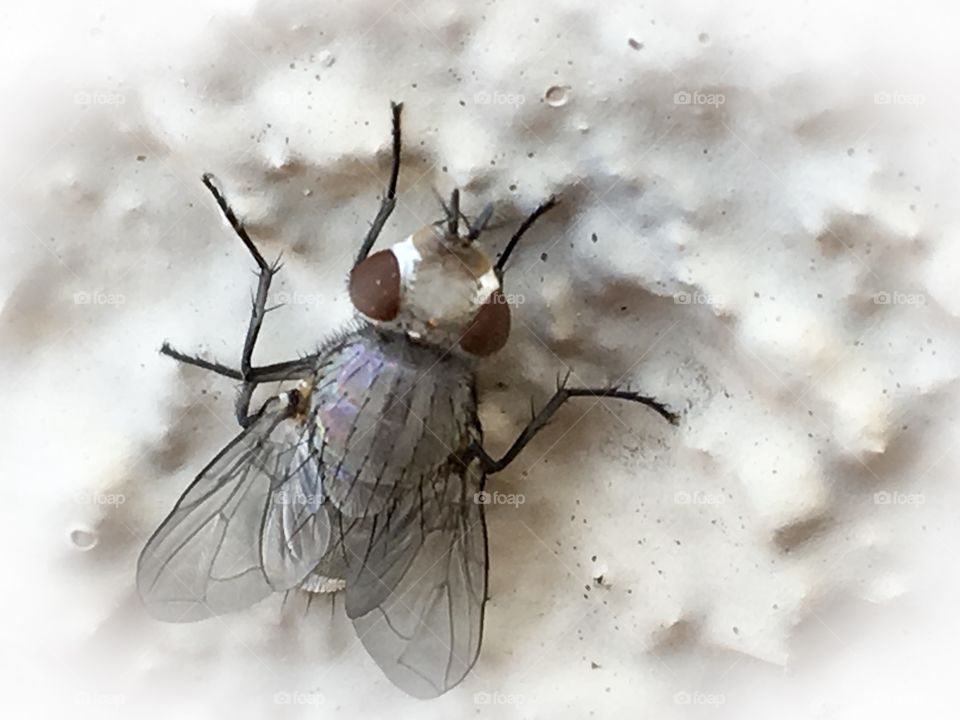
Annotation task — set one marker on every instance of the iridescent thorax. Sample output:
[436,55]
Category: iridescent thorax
[387,413]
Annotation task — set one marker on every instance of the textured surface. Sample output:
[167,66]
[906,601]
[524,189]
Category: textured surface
[758,226]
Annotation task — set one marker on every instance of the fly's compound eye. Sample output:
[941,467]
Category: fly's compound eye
[490,328]
[375,286]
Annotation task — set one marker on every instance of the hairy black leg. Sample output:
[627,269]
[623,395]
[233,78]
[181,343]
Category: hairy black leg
[199,362]
[275,372]
[526,225]
[265,273]
[287,370]
[241,406]
[249,375]
[540,419]
[390,198]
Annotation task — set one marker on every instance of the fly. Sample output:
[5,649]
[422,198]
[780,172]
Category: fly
[368,477]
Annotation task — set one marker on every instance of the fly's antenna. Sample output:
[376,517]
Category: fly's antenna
[453,213]
[443,204]
[480,223]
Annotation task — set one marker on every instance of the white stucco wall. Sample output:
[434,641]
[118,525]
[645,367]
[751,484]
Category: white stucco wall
[772,193]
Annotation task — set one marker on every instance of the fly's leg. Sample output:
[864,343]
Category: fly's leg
[276,372]
[549,203]
[265,273]
[540,419]
[247,374]
[390,198]
[199,362]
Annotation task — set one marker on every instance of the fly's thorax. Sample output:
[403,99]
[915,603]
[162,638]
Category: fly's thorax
[299,399]
[436,288]
[386,416]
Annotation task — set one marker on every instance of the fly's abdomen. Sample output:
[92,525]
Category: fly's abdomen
[389,414]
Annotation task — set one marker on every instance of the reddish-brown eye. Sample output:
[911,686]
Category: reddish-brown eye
[375,286]
[490,328]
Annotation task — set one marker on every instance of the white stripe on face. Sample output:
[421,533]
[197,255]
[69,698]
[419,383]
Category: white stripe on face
[408,257]
[488,283]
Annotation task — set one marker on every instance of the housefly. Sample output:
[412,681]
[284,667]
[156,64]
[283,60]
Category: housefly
[368,476]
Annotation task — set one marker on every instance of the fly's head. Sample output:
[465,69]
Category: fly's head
[436,286]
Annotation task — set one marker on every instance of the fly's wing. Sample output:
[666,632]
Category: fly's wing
[244,528]
[417,584]
[296,528]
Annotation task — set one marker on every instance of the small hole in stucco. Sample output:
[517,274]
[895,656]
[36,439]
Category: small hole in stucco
[83,539]
[557,95]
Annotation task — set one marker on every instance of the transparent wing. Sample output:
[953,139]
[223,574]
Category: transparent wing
[417,587]
[242,530]
[296,529]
